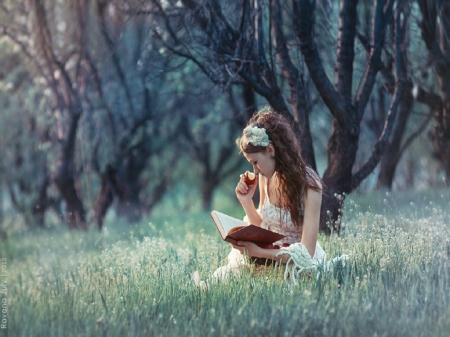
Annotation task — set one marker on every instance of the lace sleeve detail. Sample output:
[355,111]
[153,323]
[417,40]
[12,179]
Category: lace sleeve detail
[311,174]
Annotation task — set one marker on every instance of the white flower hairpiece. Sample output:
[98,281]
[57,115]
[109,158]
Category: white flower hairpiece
[256,136]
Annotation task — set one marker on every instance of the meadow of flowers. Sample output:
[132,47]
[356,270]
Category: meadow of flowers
[136,281]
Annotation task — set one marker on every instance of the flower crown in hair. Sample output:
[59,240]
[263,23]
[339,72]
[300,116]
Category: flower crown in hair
[256,136]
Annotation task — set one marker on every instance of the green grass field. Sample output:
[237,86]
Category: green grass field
[136,281]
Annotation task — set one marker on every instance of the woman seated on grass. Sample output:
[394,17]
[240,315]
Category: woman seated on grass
[290,197]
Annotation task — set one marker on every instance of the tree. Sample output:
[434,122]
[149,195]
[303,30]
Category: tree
[25,140]
[58,56]
[210,130]
[238,56]
[235,49]
[136,130]
[375,121]
[108,79]
[207,130]
[435,26]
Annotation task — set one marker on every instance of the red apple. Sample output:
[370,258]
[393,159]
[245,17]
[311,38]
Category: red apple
[250,178]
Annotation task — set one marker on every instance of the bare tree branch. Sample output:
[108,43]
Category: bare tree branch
[24,49]
[304,28]
[381,20]
[345,49]
[400,75]
[101,6]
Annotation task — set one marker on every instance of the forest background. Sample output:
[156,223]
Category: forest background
[116,106]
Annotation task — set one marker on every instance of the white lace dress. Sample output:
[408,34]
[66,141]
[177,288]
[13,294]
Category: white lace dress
[277,220]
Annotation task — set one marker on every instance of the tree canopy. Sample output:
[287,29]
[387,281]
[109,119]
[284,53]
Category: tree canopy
[109,104]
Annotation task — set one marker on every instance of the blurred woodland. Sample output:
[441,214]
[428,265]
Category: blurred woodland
[113,105]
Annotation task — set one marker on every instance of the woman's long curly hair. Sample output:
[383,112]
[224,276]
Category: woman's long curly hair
[289,164]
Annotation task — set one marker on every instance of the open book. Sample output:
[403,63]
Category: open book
[233,230]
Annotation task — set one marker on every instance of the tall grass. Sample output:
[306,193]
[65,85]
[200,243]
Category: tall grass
[137,281]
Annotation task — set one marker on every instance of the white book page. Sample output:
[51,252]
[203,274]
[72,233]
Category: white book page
[229,222]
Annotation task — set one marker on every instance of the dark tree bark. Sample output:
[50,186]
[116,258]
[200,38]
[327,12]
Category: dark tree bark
[396,146]
[41,204]
[248,97]
[347,114]
[129,187]
[298,93]
[435,27]
[393,151]
[68,103]
[132,144]
[64,178]
[108,185]
[208,187]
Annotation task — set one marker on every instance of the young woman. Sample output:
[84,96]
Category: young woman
[290,196]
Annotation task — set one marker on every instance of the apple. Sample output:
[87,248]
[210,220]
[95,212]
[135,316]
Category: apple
[250,178]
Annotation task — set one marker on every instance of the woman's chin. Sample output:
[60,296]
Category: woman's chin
[269,176]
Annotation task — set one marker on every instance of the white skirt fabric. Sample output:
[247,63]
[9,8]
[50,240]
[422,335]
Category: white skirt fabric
[236,260]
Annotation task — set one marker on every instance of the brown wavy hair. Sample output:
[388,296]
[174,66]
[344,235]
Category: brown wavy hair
[291,169]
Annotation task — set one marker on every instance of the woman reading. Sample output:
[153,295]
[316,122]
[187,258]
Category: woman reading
[290,197]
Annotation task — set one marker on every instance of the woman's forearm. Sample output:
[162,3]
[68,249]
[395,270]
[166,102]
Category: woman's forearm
[252,214]
[271,254]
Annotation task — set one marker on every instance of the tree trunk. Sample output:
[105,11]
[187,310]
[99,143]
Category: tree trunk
[248,96]
[208,187]
[342,149]
[129,207]
[392,154]
[388,166]
[105,197]
[66,96]
[435,26]
[410,173]
[129,187]
[75,214]
[347,113]
[128,203]
[41,204]
[298,99]
[442,132]
[102,204]
[64,178]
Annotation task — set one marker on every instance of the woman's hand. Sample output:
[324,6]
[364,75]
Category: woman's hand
[248,248]
[245,192]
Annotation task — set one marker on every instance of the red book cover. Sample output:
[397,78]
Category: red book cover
[233,230]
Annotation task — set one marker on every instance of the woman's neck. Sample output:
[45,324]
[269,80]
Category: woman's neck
[273,190]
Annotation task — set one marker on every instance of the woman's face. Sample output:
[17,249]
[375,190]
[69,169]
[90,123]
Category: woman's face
[263,162]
